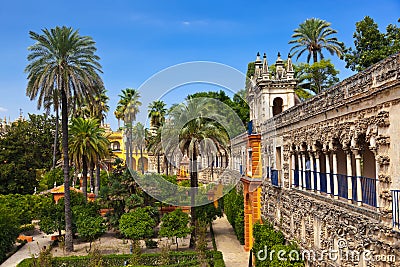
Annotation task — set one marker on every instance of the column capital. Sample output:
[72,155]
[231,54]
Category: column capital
[326,151]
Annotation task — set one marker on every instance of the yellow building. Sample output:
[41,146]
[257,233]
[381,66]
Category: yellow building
[118,148]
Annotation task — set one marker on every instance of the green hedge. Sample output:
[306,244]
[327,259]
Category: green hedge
[234,210]
[113,260]
[270,241]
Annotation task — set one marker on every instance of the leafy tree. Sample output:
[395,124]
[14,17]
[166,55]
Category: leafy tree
[175,224]
[90,228]
[371,45]
[312,36]
[63,64]
[318,76]
[9,232]
[51,177]
[25,149]
[136,225]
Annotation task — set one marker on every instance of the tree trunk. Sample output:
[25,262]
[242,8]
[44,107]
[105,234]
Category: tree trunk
[158,162]
[315,58]
[166,164]
[142,160]
[193,184]
[97,184]
[55,141]
[84,177]
[69,245]
[92,180]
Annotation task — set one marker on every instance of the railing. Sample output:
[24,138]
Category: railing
[324,187]
[296,178]
[396,209]
[275,177]
[368,185]
[342,185]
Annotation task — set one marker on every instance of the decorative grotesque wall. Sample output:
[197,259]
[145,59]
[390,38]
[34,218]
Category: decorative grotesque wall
[331,167]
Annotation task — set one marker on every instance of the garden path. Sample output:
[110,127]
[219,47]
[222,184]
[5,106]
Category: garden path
[39,241]
[227,243]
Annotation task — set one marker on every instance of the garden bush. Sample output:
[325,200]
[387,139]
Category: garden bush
[268,240]
[233,203]
[175,258]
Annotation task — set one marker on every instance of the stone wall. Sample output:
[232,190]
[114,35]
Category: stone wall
[360,113]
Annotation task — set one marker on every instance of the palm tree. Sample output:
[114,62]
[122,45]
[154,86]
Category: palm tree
[195,130]
[157,112]
[88,145]
[313,35]
[138,138]
[127,108]
[63,65]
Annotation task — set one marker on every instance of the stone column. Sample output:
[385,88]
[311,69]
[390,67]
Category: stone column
[318,170]
[300,171]
[328,173]
[303,156]
[358,174]
[335,178]
[312,170]
[293,167]
[377,167]
[349,175]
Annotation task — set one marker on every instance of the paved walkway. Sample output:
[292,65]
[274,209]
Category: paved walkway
[28,249]
[227,243]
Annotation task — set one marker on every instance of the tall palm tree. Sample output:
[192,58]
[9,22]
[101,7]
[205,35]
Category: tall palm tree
[88,144]
[138,138]
[157,112]
[312,36]
[62,60]
[189,121]
[127,108]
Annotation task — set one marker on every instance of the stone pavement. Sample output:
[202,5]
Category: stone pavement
[39,240]
[227,243]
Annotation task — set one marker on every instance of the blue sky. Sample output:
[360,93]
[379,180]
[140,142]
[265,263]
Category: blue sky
[136,39]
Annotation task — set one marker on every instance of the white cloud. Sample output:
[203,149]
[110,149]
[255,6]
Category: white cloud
[3,109]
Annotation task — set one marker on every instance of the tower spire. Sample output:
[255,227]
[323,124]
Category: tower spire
[289,68]
[265,71]
[257,66]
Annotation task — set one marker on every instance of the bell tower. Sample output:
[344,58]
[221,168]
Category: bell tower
[271,90]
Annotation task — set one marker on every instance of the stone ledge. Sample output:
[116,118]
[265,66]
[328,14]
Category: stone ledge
[335,202]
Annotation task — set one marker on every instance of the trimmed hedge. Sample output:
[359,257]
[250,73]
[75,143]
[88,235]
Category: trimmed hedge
[234,210]
[153,259]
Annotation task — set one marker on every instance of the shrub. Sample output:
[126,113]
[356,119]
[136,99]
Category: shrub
[265,236]
[9,232]
[175,259]
[233,203]
[150,243]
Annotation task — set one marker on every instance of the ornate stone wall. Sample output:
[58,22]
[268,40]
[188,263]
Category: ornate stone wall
[353,123]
